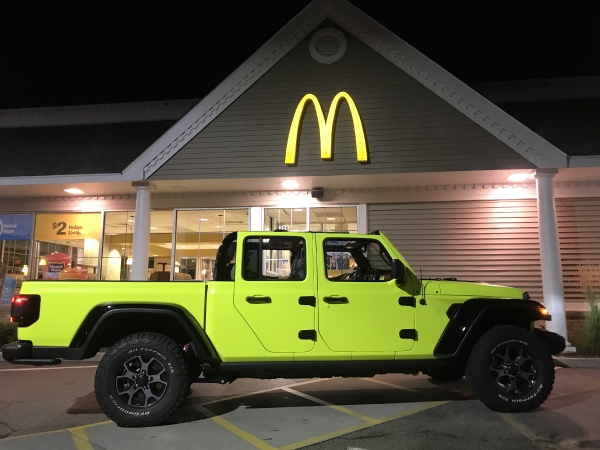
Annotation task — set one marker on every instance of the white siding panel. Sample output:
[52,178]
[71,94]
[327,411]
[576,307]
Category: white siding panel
[491,241]
[579,234]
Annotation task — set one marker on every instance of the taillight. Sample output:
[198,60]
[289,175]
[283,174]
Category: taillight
[25,309]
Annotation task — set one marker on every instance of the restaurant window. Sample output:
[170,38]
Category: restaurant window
[66,246]
[117,249]
[198,236]
[333,219]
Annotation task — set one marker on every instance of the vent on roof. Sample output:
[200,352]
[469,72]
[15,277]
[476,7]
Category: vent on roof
[327,45]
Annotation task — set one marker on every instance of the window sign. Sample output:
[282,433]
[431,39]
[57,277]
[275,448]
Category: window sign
[15,227]
[56,227]
[8,289]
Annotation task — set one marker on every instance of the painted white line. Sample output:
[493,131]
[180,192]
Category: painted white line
[47,368]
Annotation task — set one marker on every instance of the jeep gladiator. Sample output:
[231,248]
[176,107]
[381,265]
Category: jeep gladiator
[287,304]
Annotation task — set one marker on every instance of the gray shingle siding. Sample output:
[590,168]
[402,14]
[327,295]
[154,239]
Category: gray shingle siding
[408,128]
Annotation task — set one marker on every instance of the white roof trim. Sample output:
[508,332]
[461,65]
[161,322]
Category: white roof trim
[584,161]
[473,105]
[95,114]
[226,92]
[60,179]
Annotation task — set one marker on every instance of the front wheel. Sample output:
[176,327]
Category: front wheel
[142,380]
[510,370]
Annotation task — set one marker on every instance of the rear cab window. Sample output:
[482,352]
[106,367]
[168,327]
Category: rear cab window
[274,258]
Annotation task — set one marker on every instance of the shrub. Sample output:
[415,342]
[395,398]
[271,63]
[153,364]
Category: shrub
[8,332]
[589,281]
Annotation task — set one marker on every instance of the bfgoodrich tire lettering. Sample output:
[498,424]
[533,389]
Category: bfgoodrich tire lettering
[142,380]
[510,370]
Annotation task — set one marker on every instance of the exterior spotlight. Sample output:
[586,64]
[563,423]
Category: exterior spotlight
[519,177]
[74,191]
[290,184]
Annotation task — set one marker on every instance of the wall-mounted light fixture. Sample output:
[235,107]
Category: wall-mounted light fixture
[290,184]
[518,177]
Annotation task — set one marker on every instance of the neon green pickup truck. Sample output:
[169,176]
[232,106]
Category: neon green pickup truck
[288,305]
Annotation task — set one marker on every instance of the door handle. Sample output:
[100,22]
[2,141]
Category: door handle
[335,300]
[308,301]
[257,299]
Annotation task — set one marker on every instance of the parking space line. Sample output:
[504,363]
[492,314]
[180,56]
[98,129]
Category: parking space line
[263,391]
[239,432]
[360,426]
[80,438]
[331,405]
[522,428]
[385,383]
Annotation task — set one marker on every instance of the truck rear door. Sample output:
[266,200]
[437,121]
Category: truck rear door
[275,289]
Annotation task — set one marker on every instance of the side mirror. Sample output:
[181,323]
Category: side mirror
[398,271]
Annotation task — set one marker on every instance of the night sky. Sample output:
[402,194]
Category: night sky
[56,53]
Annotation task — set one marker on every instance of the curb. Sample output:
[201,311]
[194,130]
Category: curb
[577,363]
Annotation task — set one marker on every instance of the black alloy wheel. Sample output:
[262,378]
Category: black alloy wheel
[514,369]
[510,369]
[142,380]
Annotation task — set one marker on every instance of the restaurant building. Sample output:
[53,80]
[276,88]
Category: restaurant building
[335,124]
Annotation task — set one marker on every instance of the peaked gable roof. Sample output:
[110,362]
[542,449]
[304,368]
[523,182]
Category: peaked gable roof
[521,139]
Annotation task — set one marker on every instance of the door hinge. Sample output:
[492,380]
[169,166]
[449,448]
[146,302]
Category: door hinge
[408,333]
[407,301]
[308,301]
[309,335]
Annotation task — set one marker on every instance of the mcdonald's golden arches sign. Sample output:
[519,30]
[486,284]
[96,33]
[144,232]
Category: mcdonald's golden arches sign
[326,126]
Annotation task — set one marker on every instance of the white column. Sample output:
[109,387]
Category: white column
[256,218]
[141,231]
[552,283]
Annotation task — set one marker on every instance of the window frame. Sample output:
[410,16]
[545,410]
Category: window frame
[367,241]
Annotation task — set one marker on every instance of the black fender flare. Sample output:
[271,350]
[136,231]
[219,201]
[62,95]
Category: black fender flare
[86,340]
[474,317]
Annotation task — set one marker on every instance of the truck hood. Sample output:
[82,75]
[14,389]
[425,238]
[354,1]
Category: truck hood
[470,289]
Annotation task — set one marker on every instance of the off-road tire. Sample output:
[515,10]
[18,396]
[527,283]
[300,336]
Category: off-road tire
[446,375]
[510,370]
[154,360]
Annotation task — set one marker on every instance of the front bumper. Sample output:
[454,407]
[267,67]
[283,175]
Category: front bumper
[555,343]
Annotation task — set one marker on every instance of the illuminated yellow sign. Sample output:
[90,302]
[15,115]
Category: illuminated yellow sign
[56,227]
[326,127]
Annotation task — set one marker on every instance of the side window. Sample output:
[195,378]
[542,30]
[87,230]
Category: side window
[356,260]
[275,258]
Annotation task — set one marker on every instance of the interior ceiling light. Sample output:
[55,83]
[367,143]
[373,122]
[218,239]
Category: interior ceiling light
[74,191]
[204,220]
[520,176]
[153,228]
[290,184]
[298,209]
[331,218]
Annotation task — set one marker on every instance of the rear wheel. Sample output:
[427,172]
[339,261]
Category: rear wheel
[142,380]
[510,370]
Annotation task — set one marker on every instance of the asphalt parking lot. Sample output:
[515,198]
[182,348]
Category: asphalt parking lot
[54,408]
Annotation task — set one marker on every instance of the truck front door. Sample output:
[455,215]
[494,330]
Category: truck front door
[275,289]
[359,304]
